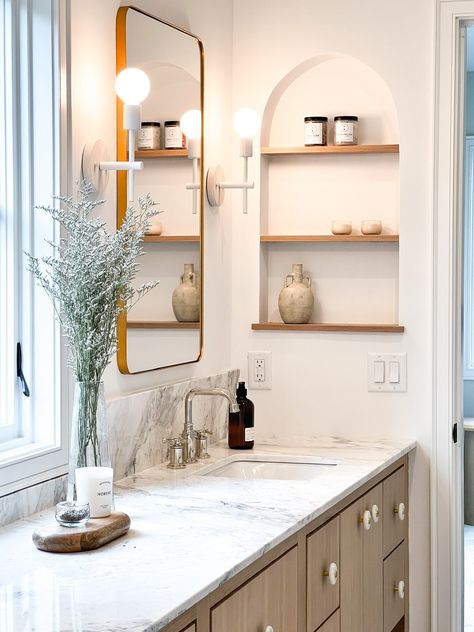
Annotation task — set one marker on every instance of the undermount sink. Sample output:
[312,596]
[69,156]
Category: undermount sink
[257,468]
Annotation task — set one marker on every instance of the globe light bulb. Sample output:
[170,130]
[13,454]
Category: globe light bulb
[191,124]
[246,122]
[132,86]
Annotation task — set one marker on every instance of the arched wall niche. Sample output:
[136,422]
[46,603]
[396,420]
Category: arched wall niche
[329,85]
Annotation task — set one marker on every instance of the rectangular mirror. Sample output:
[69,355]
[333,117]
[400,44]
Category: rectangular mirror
[165,328]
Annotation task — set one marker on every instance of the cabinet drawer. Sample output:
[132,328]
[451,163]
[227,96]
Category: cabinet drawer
[393,601]
[333,624]
[393,518]
[270,598]
[322,593]
[190,628]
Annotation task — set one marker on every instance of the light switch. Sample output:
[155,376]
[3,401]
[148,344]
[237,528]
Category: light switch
[394,372]
[387,372]
[379,372]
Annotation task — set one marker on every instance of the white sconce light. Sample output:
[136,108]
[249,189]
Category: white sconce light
[132,86]
[246,123]
[191,127]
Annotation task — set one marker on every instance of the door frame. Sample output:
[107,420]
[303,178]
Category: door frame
[447,568]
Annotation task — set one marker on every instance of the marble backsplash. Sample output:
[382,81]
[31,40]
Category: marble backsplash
[138,423]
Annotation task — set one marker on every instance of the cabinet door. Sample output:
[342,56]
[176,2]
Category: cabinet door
[361,569]
[333,624]
[394,572]
[323,581]
[269,599]
[191,628]
[395,510]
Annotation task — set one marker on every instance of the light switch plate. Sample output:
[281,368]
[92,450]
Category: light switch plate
[390,362]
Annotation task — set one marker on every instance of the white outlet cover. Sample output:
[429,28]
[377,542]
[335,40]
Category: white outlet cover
[252,357]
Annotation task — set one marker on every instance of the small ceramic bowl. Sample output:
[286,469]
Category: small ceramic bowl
[371,227]
[341,227]
[155,228]
[72,513]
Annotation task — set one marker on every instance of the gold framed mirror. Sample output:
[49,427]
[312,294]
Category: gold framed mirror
[165,328]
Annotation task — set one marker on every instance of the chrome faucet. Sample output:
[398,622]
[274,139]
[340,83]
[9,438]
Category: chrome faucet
[188,435]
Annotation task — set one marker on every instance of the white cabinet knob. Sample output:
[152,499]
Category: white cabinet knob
[331,573]
[269,628]
[400,589]
[366,519]
[400,511]
[375,513]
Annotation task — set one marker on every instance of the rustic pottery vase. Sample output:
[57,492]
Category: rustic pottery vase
[296,299]
[89,431]
[186,298]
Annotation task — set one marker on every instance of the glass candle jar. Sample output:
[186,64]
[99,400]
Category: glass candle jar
[346,130]
[148,136]
[173,136]
[72,513]
[315,130]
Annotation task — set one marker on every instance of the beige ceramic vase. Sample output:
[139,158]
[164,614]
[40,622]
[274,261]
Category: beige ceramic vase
[296,299]
[186,297]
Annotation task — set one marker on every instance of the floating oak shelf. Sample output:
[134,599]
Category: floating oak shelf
[141,154]
[163,239]
[172,324]
[330,149]
[328,238]
[342,327]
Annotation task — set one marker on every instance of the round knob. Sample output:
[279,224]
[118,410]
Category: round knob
[331,573]
[375,513]
[366,519]
[400,510]
[400,589]
[269,628]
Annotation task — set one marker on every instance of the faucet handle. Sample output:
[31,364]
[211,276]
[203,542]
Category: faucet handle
[201,443]
[202,433]
[175,452]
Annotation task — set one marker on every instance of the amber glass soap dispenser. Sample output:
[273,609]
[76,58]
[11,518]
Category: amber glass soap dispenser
[241,428]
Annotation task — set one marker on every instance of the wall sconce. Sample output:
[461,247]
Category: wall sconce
[191,127]
[132,86]
[246,123]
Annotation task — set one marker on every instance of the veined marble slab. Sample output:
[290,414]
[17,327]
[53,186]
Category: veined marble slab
[137,425]
[189,534]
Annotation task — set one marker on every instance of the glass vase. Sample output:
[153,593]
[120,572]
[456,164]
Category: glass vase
[89,431]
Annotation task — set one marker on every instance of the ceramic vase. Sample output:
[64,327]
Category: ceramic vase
[296,299]
[186,298]
[89,431]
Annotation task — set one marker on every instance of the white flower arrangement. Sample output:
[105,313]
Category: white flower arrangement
[89,280]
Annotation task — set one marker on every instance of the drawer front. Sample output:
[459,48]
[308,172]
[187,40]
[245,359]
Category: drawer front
[361,571]
[270,598]
[191,628]
[333,624]
[393,572]
[394,523]
[323,593]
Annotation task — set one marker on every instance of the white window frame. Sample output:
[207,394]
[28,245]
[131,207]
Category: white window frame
[38,139]
[468,290]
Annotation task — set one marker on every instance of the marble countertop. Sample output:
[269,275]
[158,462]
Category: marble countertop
[189,534]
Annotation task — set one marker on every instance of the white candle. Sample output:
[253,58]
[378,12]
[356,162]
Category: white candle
[94,485]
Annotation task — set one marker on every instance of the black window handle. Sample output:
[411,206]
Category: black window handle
[19,371]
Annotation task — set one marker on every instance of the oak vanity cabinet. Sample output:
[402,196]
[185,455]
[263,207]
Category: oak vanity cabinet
[344,572]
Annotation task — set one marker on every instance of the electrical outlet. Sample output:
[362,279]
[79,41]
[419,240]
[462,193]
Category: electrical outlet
[260,370]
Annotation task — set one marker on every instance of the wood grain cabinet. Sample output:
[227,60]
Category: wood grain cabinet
[346,571]
[268,600]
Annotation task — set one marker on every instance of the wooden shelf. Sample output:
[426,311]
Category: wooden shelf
[141,154]
[330,149]
[341,327]
[172,324]
[163,239]
[328,238]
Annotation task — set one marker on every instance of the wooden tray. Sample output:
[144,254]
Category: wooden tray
[96,533]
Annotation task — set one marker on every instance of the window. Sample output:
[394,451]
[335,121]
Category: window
[32,438]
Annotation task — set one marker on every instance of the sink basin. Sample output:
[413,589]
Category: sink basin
[262,468]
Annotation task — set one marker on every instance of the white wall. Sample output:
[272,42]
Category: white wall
[93,116]
[320,379]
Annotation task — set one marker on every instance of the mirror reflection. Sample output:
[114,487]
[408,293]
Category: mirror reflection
[165,328]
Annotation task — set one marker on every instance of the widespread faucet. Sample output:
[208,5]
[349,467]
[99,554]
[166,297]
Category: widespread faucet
[188,434]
